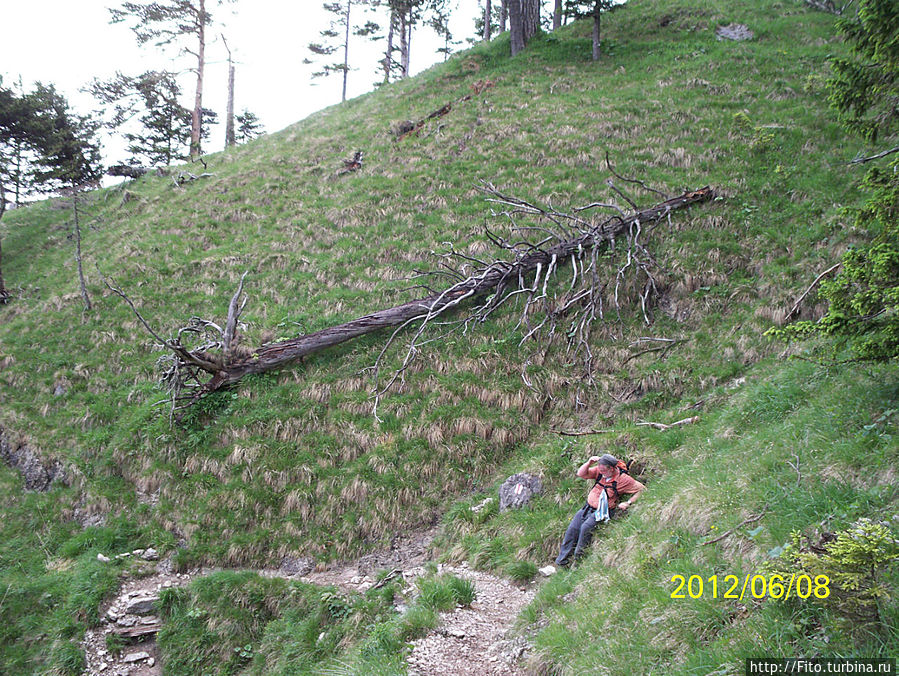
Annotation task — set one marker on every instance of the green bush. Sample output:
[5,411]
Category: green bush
[850,575]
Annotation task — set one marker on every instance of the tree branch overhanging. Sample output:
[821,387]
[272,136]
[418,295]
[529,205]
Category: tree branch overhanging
[482,286]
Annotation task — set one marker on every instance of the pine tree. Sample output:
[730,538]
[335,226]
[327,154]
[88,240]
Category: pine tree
[174,21]
[67,154]
[153,96]
[248,127]
[865,87]
[336,38]
[594,9]
[863,300]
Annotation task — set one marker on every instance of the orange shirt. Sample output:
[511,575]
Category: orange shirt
[625,484]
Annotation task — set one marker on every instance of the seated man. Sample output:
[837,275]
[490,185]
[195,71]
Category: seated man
[611,482]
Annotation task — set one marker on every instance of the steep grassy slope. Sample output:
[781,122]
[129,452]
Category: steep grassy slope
[295,464]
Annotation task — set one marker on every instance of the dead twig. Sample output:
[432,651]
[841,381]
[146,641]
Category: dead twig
[795,309]
[795,467]
[745,522]
[663,426]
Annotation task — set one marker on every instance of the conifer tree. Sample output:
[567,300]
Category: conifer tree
[248,126]
[174,21]
[152,98]
[594,9]
[863,300]
[67,154]
[336,38]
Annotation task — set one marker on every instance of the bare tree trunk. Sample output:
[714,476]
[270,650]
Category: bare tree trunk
[516,26]
[487,17]
[503,15]
[557,15]
[531,17]
[229,114]
[404,43]
[388,55]
[197,113]
[596,26]
[346,49]
[4,294]
[84,296]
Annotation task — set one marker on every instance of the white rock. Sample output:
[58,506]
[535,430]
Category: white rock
[102,558]
[150,555]
[138,552]
[151,661]
[102,666]
[135,657]
[546,571]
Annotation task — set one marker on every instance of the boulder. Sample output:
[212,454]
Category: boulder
[141,606]
[518,490]
[291,565]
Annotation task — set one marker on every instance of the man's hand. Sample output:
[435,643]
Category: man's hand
[593,459]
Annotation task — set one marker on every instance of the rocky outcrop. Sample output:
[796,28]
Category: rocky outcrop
[39,474]
[518,490]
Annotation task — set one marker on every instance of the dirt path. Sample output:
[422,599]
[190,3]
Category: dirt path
[473,640]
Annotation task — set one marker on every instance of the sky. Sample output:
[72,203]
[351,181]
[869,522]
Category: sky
[70,42]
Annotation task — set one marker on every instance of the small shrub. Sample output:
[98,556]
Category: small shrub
[383,639]
[856,564]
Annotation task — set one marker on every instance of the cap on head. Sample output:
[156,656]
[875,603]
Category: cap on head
[609,460]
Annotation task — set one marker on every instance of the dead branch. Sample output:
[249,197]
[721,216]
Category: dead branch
[231,323]
[525,273]
[828,6]
[585,433]
[745,522]
[663,426]
[795,310]
[404,129]
[862,160]
[664,349]
[352,165]
[127,171]
[185,176]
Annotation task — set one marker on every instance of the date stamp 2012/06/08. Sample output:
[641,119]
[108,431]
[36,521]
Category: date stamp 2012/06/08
[755,586]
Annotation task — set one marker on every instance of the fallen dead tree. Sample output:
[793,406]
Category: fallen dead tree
[404,129]
[565,239]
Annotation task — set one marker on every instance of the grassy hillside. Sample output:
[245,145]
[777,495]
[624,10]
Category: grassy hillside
[296,464]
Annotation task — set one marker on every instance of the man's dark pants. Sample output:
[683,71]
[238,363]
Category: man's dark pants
[578,536]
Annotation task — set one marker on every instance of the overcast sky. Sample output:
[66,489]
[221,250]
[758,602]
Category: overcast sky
[70,42]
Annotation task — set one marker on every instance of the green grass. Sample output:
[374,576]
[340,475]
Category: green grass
[295,463]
